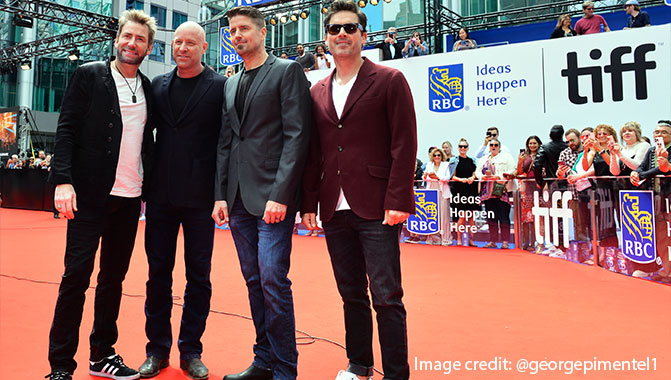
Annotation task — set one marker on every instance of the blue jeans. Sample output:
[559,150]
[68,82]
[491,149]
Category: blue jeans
[264,250]
[361,251]
[162,228]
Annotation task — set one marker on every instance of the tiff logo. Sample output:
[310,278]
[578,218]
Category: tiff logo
[555,213]
[616,67]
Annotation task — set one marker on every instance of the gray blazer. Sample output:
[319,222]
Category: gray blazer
[264,154]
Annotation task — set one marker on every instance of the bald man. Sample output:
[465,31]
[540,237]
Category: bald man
[181,193]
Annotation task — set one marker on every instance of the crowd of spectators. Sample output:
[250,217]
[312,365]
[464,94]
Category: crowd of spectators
[596,162]
[41,161]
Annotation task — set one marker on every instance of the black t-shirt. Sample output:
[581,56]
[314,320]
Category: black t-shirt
[246,79]
[180,91]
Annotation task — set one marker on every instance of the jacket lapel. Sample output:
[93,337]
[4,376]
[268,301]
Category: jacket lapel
[327,87]
[111,87]
[231,87]
[164,94]
[260,77]
[364,80]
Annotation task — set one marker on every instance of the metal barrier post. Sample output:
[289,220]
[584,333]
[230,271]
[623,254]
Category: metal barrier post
[595,233]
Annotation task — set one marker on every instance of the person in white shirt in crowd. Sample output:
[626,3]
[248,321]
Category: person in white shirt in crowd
[492,133]
[436,175]
[496,169]
[321,59]
[632,151]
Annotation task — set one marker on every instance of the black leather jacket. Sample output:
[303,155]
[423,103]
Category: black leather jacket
[548,155]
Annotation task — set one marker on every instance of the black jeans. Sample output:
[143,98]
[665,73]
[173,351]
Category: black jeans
[361,251]
[501,211]
[116,224]
[161,232]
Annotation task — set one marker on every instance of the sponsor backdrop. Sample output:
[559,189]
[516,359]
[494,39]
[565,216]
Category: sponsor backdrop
[523,89]
[8,129]
[227,55]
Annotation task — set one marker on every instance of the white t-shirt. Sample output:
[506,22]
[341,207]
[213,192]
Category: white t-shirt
[321,63]
[340,94]
[129,171]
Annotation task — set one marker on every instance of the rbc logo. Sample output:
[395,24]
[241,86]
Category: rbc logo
[426,219]
[446,91]
[638,229]
[228,54]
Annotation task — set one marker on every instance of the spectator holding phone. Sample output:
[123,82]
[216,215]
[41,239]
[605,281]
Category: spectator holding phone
[630,154]
[391,47]
[464,42]
[321,61]
[415,46]
[656,163]
[525,174]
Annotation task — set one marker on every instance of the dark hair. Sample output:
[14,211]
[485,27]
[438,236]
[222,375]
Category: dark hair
[493,128]
[574,131]
[587,129]
[465,29]
[251,12]
[348,6]
[322,46]
[526,144]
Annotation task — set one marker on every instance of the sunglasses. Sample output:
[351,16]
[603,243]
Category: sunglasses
[437,155]
[494,145]
[350,28]
[463,146]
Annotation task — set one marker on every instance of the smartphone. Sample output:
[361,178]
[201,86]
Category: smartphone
[659,142]
[584,137]
[522,150]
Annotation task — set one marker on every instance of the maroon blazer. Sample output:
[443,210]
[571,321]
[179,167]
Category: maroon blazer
[369,152]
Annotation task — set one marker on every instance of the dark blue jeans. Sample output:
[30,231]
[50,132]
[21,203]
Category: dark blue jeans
[161,232]
[113,227]
[361,251]
[501,211]
[264,250]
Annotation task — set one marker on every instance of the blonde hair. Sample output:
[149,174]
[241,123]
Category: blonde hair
[141,18]
[632,126]
[433,151]
[560,21]
[611,131]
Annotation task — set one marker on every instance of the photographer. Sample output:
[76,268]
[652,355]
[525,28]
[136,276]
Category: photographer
[391,47]
[415,46]
[321,61]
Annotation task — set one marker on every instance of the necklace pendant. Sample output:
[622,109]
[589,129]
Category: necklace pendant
[134,98]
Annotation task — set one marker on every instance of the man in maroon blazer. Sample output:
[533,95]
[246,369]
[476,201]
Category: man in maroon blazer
[360,170]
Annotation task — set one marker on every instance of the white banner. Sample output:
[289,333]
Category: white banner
[524,89]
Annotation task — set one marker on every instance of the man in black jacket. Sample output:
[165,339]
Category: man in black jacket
[654,164]
[391,47]
[548,157]
[182,193]
[101,156]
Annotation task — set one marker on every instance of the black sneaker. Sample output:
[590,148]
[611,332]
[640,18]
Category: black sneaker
[113,368]
[59,375]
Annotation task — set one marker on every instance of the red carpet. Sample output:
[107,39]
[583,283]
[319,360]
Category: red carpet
[463,304]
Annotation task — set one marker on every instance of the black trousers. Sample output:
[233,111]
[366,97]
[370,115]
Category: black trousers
[116,223]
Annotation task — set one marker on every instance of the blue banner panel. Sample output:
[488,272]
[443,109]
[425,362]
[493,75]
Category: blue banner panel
[228,55]
[638,225]
[426,220]
[251,3]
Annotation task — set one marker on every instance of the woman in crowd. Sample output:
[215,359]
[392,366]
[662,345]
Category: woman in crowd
[630,154]
[495,170]
[464,42]
[599,155]
[465,192]
[415,46]
[447,149]
[525,171]
[436,176]
[563,28]
[321,61]
[230,71]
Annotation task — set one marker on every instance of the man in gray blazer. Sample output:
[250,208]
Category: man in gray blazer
[262,149]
